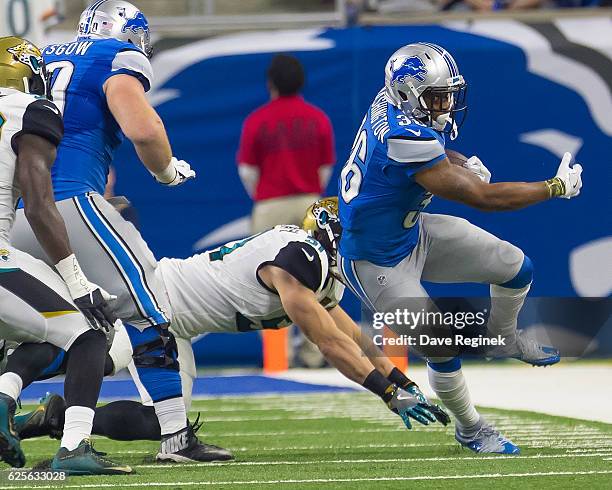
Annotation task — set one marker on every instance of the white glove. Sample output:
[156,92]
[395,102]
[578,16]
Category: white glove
[570,179]
[176,173]
[474,165]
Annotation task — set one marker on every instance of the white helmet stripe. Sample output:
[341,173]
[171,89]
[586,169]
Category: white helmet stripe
[95,5]
[450,62]
[92,10]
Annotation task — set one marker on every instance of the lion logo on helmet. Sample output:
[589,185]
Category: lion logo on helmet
[412,67]
[136,23]
[29,55]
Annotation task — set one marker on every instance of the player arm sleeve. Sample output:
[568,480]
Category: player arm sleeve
[303,262]
[133,62]
[411,154]
[414,150]
[41,118]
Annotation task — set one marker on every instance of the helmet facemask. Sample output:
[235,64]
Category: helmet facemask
[441,108]
[444,107]
[39,84]
[328,235]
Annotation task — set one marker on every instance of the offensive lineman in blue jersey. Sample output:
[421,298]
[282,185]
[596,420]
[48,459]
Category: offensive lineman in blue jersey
[398,162]
[99,83]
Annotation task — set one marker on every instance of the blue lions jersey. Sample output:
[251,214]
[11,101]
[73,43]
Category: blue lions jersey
[379,199]
[78,72]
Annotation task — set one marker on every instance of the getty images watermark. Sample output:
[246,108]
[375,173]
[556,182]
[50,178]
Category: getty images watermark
[402,320]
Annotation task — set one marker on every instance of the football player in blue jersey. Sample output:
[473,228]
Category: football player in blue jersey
[99,83]
[38,309]
[398,162]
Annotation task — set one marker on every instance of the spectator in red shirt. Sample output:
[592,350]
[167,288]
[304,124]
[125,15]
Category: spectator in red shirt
[286,152]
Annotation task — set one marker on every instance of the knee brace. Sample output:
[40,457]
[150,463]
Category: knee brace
[155,359]
[523,277]
[154,347]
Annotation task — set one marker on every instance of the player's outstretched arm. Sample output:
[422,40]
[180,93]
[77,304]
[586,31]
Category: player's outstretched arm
[140,123]
[301,304]
[459,184]
[382,363]
[35,156]
[376,356]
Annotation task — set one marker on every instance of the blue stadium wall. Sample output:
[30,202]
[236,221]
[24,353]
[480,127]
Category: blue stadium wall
[534,92]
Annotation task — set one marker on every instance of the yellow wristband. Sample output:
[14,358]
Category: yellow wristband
[556,187]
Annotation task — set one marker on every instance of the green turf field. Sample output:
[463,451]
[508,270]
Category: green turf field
[350,440]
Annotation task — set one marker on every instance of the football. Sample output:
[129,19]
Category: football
[456,158]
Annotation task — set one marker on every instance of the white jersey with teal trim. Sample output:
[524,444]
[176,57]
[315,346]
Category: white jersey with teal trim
[220,291]
[20,113]
[379,199]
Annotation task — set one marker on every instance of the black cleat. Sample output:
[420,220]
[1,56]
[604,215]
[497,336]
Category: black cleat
[47,419]
[185,447]
[10,449]
[85,460]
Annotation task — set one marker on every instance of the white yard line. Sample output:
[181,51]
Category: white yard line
[593,449]
[324,480]
[370,461]
[339,414]
[523,437]
[605,455]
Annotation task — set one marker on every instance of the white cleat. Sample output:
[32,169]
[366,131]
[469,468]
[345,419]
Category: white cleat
[487,440]
[527,349]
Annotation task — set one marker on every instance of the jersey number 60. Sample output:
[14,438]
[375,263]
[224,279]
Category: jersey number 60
[352,173]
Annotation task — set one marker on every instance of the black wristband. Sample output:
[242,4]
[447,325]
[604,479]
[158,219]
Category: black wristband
[378,384]
[399,378]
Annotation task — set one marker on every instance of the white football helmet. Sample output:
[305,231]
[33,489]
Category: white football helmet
[423,80]
[116,19]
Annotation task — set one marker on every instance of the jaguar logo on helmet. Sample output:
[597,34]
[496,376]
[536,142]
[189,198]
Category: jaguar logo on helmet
[321,213]
[136,23]
[29,55]
[410,67]
[4,254]
[321,221]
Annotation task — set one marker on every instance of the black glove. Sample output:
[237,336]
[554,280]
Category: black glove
[97,311]
[436,410]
